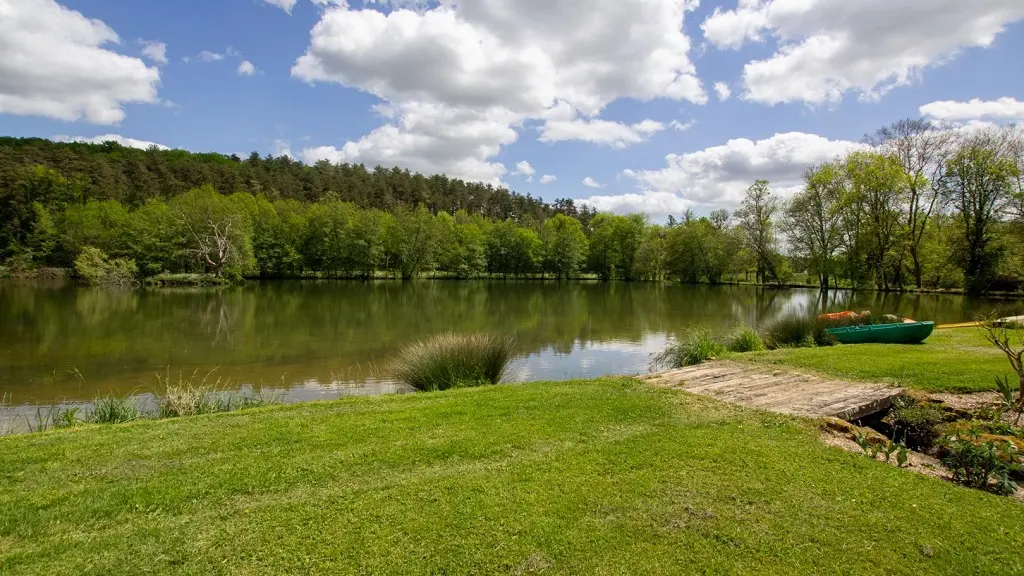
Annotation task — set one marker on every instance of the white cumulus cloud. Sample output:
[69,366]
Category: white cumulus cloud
[591,183]
[1004,109]
[57,63]
[155,51]
[208,56]
[614,134]
[658,205]
[496,64]
[122,140]
[548,178]
[524,169]
[246,68]
[718,176]
[682,126]
[285,5]
[723,91]
[826,48]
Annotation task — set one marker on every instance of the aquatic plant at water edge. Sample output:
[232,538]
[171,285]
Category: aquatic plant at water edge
[789,332]
[191,396]
[114,410]
[454,360]
[796,332]
[745,340]
[697,346]
[199,280]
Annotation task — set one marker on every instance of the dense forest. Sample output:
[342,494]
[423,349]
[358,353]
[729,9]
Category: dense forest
[921,207]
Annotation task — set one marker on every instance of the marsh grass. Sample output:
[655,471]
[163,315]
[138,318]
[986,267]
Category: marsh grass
[745,340]
[114,410]
[192,395]
[797,332]
[697,346]
[199,280]
[454,361]
[187,396]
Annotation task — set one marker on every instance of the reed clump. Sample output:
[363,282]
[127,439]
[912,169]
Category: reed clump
[454,361]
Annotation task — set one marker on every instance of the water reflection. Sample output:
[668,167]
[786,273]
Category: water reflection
[68,343]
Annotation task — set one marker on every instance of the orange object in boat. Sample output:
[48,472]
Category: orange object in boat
[837,315]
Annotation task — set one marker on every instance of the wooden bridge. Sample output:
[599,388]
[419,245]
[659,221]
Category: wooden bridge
[778,390]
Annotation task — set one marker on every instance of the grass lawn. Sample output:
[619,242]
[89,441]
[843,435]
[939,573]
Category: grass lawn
[591,477]
[950,360]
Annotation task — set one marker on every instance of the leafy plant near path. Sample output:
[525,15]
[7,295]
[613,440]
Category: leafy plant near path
[884,447]
[1010,341]
[987,465]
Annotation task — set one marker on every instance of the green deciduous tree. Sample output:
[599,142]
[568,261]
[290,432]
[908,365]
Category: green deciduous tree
[979,184]
[412,241]
[880,187]
[512,250]
[757,220]
[813,219]
[564,246]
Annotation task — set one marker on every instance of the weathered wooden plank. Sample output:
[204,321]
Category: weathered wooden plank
[778,390]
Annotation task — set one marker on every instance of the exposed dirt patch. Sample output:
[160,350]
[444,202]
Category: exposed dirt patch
[974,403]
[968,402]
[833,435]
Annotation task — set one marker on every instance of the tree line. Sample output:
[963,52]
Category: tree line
[924,207]
[920,207]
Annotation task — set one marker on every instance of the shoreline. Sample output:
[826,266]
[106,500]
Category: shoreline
[65,275]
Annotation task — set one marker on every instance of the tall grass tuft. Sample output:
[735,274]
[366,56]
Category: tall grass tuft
[698,346]
[192,396]
[797,332]
[114,410]
[745,339]
[454,360]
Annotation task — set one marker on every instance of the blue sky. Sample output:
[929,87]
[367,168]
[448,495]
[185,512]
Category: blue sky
[602,90]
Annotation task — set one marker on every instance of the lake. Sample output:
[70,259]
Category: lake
[308,340]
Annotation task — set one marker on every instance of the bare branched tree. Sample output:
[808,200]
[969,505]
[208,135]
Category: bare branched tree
[1008,338]
[211,243]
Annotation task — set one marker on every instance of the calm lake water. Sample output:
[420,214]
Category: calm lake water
[309,340]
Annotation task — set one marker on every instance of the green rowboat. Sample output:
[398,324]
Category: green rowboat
[907,333]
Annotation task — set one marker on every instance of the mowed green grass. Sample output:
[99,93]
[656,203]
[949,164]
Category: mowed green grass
[591,477]
[950,360]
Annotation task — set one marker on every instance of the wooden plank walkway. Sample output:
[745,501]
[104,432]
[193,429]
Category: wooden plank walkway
[779,390]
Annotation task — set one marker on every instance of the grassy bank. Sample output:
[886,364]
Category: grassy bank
[953,360]
[595,477]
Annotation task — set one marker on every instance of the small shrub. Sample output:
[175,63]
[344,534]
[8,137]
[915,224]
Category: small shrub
[113,410]
[93,266]
[454,360]
[977,464]
[745,340]
[981,427]
[917,423]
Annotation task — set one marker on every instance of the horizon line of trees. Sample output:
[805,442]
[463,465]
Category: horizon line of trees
[924,207]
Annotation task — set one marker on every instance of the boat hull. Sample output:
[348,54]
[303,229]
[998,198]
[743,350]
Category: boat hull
[907,333]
